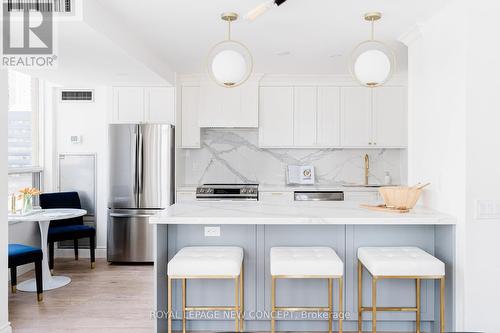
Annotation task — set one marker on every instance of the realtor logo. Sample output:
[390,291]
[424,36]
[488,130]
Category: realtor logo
[28,38]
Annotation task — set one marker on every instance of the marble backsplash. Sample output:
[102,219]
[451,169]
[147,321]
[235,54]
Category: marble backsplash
[233,156]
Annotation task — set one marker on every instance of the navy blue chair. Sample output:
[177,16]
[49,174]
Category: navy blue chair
[20,254]
[69,229]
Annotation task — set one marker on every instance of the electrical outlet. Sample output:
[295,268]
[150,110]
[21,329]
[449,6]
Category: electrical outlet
[212,231]
[487,209]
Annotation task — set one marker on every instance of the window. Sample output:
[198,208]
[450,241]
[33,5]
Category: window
[23,132]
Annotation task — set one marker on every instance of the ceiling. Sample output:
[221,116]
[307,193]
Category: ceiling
[87,57]
[316,36]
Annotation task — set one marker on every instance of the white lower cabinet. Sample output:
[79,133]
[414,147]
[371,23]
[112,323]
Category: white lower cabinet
[276,197]
[190,129]
[185,197]
[362,196]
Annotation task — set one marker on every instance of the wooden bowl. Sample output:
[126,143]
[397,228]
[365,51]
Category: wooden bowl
[400,197]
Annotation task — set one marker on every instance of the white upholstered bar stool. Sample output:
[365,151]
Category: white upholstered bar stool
[398,263]
[207,262]
[307,263]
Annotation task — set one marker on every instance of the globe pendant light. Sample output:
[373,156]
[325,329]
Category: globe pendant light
[230,62]
[372,62]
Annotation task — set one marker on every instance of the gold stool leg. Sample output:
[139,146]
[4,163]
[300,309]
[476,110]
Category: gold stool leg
[273,304]
[360,297]
[441,302]
[330,305]
[237,303]
[184,305]
[417,295]
[169,306]
[374,304]
[242,299]
[341,304]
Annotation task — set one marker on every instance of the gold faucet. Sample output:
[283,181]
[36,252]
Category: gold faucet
[367,168]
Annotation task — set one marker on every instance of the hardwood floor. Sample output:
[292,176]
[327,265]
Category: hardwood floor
[110,298]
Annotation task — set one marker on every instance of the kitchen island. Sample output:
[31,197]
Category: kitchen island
[258,226]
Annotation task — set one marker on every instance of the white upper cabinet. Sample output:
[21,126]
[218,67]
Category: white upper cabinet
[299,117]
[229,107]
[328,117]
[276,125]
[356,116]
[305,112]
[390,117]
[160,105]
[144,105]
[128,104]
[190,130]
[374,117]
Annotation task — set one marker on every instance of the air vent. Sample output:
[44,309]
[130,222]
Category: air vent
[55,6]
[77,95]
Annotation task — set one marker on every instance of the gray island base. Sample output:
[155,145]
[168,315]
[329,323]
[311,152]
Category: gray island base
[256,227]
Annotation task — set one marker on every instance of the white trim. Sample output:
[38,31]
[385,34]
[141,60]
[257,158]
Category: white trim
[100,253]
[411,35]
[280,80]
[34,169]
[24,269]
[6,328]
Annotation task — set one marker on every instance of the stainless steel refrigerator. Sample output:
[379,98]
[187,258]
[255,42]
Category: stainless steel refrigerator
[141,172]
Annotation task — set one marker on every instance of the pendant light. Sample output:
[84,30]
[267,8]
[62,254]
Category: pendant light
[230,62]
[372,62]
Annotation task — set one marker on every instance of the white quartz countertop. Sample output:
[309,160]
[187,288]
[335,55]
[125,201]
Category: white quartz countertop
[234,212]
[293,188]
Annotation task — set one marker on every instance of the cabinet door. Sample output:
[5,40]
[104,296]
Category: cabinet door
[328,118]
[276,117]
[390,117]
[160,105]
[305,110]
[356,106]
[234,107]
[276,197]
[190,135]
[128,104]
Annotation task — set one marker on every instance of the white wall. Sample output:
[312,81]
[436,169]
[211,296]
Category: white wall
[4,105]
[90,121]
[483,167]
[436,120]
[454,143]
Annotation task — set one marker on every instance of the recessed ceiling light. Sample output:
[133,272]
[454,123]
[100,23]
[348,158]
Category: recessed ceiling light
[284,53]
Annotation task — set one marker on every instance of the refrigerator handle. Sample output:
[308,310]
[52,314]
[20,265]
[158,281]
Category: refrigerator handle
[141,164]
[135,165]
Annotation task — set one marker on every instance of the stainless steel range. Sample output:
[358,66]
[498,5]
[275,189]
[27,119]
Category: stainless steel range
[228,192]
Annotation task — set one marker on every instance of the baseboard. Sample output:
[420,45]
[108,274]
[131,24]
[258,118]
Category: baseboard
[22,270]
[82,253]
[6,328]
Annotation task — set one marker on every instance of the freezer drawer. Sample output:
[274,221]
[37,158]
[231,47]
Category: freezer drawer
[130,236]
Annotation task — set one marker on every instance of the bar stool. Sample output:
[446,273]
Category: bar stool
[207,262]
[398,263]
[306,263]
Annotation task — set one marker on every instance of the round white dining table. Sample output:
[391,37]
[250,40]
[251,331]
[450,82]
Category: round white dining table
[43,217]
